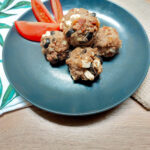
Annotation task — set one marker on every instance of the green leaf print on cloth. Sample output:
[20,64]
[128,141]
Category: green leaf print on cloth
[1,88]
[23,4]
[5,4]
[8,8]
[1,40]
[8,96]
[3,15]
[3,25]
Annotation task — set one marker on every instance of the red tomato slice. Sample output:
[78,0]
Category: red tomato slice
[57,10]
[40,11]
[33,30]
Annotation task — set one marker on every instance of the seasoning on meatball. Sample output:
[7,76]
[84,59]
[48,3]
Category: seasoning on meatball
[54,46]
[107,41]
[80,26]
[84,63]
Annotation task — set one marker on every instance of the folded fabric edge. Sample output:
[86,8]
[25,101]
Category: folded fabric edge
[143,103]
[142,95]
[15,107]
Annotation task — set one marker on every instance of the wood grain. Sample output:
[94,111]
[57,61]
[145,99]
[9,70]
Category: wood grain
[127,127]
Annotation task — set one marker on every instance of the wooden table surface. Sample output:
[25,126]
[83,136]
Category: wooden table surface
[127,127]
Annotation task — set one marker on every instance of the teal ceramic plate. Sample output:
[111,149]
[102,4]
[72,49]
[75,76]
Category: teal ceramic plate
[52,89]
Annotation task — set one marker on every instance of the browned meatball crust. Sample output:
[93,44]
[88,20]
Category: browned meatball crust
[54,46]
[107,41]
[84,63]
[80,26]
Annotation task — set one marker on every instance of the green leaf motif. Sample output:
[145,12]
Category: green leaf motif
[1,88]
[3,25]
[5,4]
[8,96]
[0,60]
[1,40]
[0,3]
[3,15]
[23,4]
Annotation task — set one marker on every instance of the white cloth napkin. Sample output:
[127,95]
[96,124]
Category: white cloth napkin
[142,95]
[16,7]
[17,103]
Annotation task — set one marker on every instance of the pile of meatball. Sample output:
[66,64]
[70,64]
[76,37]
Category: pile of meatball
[81,43]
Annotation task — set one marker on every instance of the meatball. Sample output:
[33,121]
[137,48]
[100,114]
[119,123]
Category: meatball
[80,27]
[84,63]
[54,46]
[107,41]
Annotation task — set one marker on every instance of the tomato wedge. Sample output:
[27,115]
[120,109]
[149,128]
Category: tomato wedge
[41,12]
[57,10]
[33,30]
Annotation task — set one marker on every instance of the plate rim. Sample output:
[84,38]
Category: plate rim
[90,112]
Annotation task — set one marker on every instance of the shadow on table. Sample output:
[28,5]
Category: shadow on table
[76,121]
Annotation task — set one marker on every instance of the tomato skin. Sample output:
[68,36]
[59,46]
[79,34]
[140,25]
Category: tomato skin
[57,10]
[34,30]
[40,11]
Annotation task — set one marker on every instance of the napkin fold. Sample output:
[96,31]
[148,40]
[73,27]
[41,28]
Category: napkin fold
[142,95]
[15,104]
